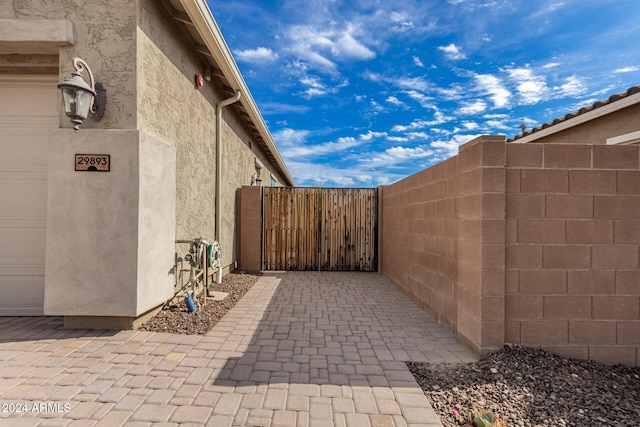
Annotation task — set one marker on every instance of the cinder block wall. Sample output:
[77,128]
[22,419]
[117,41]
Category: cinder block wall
[536,244]
[480,250]
[418,239]
[572,238]
[443,241]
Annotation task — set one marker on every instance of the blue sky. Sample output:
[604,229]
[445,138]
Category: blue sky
[362,93]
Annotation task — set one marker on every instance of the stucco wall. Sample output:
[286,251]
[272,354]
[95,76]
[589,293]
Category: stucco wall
[109,245]
[160,130]
[173,109]
[238,164]
[105,37]
[597,131]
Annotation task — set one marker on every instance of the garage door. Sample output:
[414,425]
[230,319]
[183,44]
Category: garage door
[28,114]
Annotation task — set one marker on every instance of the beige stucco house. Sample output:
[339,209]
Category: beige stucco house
[609,121]
[99,247]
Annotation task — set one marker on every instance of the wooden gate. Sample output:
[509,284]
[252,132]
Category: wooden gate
[319,228]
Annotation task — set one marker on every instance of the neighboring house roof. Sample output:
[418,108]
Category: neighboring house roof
[209,43]
[597,109]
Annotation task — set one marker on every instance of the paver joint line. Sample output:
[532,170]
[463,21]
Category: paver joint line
[300,349]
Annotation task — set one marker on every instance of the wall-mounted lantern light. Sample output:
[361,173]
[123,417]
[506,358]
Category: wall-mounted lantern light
[78,97]
[256,179]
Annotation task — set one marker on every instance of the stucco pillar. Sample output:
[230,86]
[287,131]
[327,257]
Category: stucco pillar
[250,228]
[110,235]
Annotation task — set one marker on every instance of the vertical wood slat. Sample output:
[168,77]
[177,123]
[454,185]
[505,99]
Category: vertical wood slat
[298,221]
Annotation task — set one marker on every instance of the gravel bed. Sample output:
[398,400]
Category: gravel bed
[530,387]
[175,318]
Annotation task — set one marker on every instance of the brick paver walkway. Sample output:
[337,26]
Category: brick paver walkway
[300,349]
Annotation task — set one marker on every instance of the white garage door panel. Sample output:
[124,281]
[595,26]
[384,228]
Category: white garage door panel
[26,247]
[32,189]
[28,114]
[24,152]
[29,95]
[20,294]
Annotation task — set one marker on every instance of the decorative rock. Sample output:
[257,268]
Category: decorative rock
[175,318]
[533,388]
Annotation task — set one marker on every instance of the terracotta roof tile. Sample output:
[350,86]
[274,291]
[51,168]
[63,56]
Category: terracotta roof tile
[613,98]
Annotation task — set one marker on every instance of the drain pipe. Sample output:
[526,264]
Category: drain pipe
[219,108]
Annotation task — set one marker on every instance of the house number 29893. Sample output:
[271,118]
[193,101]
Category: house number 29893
[93,162]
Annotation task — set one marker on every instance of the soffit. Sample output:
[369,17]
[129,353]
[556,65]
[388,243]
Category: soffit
[209,43]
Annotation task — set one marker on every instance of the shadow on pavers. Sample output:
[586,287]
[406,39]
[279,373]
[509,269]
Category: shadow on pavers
[42,328]
[340,328]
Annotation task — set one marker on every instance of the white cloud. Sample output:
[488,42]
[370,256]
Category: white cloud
[452,52]
[314,58]
[341,144]
[417,135]
[421,98]
[494,88]
[412,83]
[395,101]
[449,147]
[531,88]
[418,62]
[258,55]
[372,135]
[469,109]
[347,46]
[376,107]
[397,138]
[440,131]
[309,173]
[470,125]
[438,118]
[450,93]
[293,146]
[497,124]
[315,45]
[547,9]
[281,108]
[316,87]
[374,77]
[290,137]
[573,87]
[401,22]
[358,173]
[395,155]
[627,69]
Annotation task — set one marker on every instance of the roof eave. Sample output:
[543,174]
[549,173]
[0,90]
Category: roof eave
[579,119]
[204,22]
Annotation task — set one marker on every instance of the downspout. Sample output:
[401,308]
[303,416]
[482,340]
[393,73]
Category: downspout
[219,108]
